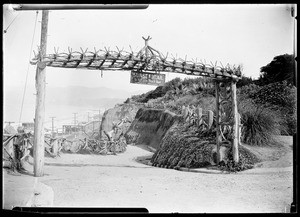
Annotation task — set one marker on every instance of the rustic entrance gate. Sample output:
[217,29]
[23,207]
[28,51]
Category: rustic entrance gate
[148,60]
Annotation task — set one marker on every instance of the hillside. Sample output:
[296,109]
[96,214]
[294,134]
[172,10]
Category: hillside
[177,145]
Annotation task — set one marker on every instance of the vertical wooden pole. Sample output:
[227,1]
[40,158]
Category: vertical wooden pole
[40,79]
[210,118]
[239,129]
[218,134]
[235,127]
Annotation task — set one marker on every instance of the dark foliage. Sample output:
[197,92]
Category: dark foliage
[279,98]
[244,81]
[281,68]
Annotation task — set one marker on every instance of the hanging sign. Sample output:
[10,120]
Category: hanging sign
[147,78]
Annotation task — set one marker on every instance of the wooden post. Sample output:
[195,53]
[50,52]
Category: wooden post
[218,134]
[40,79]
[210,118]
[240,129]
[235,127]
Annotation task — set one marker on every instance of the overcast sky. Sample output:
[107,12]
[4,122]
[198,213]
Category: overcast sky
[250,35]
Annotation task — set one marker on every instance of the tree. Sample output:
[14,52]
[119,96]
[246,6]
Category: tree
[281,68]
[244,81]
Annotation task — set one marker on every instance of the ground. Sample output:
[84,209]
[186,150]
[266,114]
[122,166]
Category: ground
[120,181]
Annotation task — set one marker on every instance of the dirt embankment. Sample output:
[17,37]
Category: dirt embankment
[116,114]
[150,126]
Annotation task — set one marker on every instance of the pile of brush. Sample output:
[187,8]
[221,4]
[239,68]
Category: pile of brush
[183,149]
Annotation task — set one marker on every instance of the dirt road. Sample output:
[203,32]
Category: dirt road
[120,181]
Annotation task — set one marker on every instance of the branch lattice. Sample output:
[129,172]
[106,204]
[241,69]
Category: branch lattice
[147,59]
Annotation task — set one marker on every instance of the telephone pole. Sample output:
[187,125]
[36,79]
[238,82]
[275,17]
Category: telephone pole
[40,79]
[75,118]
[52,126]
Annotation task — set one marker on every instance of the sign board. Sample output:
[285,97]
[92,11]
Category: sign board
[147,78]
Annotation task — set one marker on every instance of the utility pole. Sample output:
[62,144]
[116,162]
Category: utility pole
[88,117]
[75,121]
[75,118]
[52,126]
[40,79]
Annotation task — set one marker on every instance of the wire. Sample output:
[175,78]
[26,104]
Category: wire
[28,67]
[11,23]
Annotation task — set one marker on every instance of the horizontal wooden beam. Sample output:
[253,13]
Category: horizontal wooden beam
[77,6]
[111,60]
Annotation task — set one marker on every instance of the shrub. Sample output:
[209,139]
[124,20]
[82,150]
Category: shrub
[278,97]
[259,124]
[244,81]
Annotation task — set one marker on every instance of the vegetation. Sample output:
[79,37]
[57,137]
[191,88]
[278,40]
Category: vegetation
[246,161]
[277,99]
[259,124]
[267,107]
[176,88]
[244,81]
[181,148]
[281,68]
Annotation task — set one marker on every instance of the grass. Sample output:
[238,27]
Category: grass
[259,124]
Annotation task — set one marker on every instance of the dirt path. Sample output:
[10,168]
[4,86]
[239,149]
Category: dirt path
[275,157]
[120,181]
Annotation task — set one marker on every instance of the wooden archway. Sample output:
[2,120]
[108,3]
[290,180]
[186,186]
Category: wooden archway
[151,60]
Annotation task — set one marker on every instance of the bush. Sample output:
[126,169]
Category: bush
[259,124]
[244,81]
[278,97]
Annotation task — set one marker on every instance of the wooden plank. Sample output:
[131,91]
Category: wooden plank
[235,127]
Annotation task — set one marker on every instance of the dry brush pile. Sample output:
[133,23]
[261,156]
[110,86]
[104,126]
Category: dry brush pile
[184,146]
[183,149]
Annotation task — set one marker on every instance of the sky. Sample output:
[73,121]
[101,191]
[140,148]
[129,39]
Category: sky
[250,35]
